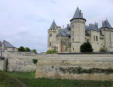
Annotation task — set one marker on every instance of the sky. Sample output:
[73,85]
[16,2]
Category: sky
[26,22]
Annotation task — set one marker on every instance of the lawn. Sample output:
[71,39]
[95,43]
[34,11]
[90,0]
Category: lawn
[29,80]
[9,81]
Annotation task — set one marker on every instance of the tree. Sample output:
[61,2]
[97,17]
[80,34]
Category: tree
[27,49]
[21,49]
[86,47]
[34,51]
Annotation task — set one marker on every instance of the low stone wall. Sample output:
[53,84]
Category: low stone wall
[2,64]
[75,66]
[21,61]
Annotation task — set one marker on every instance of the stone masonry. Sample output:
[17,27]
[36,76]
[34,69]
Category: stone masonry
[75,66]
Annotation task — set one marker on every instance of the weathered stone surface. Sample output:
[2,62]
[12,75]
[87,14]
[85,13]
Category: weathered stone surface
[48,66]
[21,62]
[2,63]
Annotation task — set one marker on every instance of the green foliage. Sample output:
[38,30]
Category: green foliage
[35,61]
[51,52]
[79,70]
[86,47]
[34,51]
[103,50]
[27,49]
[22,75]
[6,65]
[9,81]
[21,49]
[29,80]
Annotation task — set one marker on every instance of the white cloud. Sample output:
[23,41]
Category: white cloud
[25,22]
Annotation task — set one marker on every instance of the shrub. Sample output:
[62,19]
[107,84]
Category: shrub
[86,47]
[21,49]
[35,61]
[103,50]
[51,52]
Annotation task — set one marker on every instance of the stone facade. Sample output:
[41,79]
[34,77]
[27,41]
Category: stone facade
[75,66]
[21,61]
[77,32]
[2,64]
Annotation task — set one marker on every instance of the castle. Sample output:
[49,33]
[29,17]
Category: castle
[77,32]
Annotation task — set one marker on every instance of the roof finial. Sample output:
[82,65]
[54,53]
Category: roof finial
[53,25]
[78,13]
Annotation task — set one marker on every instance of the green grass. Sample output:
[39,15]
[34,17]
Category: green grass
[27,75]
[29,80]
[8,81]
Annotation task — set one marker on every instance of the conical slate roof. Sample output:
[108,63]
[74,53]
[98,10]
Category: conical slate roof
[7,44]
[78,14]
[53,25]
[106,24]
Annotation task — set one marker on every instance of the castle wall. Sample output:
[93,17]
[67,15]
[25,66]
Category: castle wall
[21,61]
[52,40]
[2,64]
[64,44]
[108,39]
[74,66]
[77,34]
[95,40]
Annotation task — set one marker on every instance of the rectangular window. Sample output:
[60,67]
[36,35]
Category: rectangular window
[96,38]
[50,44]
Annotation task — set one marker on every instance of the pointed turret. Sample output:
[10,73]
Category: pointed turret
[53,25]
[77,31]
[78,14]
[106,24]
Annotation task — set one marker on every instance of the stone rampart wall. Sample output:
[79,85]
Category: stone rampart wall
[2,64]
[21,61]
[75,66]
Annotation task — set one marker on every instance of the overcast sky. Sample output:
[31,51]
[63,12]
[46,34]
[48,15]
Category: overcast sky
[25,22]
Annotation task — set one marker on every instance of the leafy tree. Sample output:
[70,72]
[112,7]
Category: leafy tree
[34,51]
[21,49]
[86,47]
[27,49]
[51,52]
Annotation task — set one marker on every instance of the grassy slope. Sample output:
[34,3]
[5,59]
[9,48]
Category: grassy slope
[28,79]
[8,81]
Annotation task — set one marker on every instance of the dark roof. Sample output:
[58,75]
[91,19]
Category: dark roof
[7,44]
[63,33]
[92,26]
[106,24]
[78,14]
[53,25]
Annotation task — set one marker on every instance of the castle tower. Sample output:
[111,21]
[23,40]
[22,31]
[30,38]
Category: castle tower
[52,39]
[107,31]
[77,31]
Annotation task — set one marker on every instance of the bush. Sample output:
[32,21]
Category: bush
[35,61]
[27,49]
[21,49]
[86,47]
[103,50]
[51,52]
